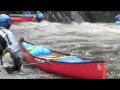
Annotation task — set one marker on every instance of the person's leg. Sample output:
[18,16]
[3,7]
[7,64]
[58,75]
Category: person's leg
[17,59]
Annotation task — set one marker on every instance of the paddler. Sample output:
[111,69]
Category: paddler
[117,17]
[8,42]
[39,16]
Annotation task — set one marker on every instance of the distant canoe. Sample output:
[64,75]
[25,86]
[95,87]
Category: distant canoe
[64,64]
[21,17]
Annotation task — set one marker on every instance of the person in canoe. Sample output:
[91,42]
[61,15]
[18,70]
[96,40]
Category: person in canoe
[117,17]
[39,16]
[8,43]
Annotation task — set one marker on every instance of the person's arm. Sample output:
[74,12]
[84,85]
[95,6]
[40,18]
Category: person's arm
[34,18]
[14,50]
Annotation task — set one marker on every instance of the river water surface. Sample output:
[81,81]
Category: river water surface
[100,41]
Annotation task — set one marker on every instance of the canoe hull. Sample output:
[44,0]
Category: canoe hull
[89,70]
[21,18]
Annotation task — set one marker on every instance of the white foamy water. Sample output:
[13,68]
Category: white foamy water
[100,41]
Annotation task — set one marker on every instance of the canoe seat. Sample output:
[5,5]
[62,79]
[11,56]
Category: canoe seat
[50,57]
[53,56]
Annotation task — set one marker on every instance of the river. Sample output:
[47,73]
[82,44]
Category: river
[100,41]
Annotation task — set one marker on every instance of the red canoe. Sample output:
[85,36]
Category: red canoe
[89,69]
[21,18]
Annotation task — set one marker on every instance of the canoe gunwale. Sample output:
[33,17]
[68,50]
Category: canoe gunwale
[50,60]
[87,70]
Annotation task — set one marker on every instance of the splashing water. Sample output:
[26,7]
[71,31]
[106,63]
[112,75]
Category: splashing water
[100,41]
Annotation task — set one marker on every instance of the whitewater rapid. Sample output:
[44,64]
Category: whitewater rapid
[100,41]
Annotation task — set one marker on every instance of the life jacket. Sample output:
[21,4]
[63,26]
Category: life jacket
[3,42]
[7,38]
[3,45]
